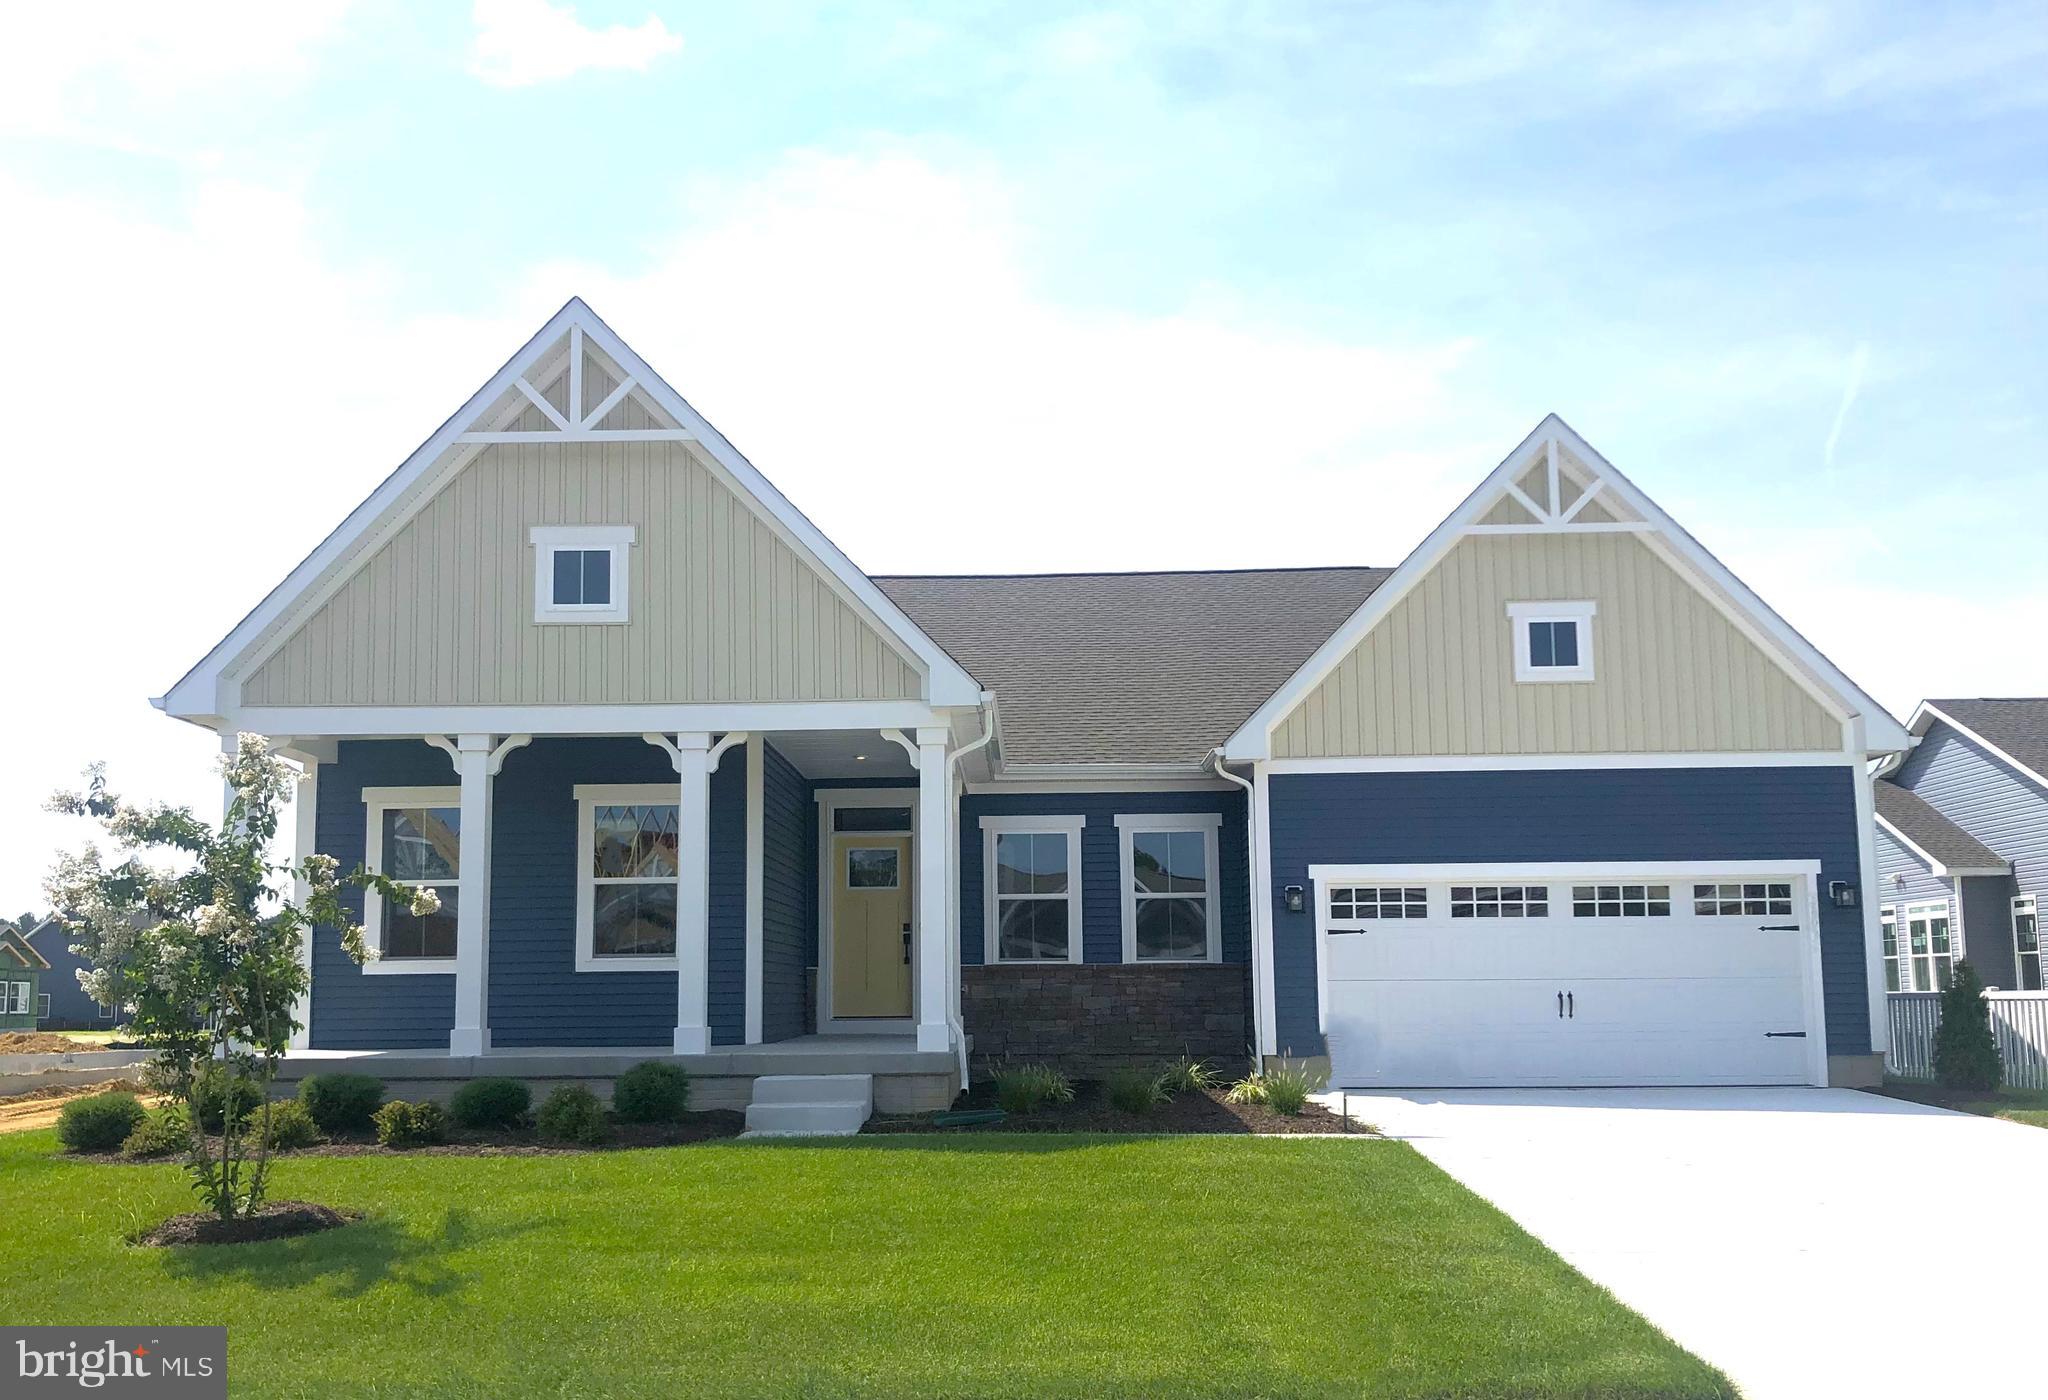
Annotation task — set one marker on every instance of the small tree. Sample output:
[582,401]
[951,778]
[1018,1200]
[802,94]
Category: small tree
[200,946]
[1965,1054]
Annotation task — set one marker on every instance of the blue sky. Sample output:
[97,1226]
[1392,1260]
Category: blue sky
[1030,287]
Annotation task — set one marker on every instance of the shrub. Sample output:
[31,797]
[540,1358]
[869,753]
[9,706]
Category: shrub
[1027,1088]
[1135,1090]
[402,1124]
[341,1103]
[213,1088]
[491,1103]
[572,1114]
[1965,1055]
[652,1092]
[1188,1076]
[1284,1089]
[290,1127]
[98,1122]
[161,1132]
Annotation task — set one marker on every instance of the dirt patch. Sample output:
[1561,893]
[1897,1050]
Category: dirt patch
[274,1220]
[1205,1111]
[38,1108]
[45,1043]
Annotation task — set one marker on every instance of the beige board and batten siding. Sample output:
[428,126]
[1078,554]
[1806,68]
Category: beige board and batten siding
[1436,676]
[722,609]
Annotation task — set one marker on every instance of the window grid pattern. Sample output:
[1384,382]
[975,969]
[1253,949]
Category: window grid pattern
[423,849]
[2026,943]
[1621,901]
[1170,894]
[633,874]
[1365,903]
[1742,899]
[1500,901]
[1034,920]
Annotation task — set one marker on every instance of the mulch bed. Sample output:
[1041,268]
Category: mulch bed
[711,1125]
[1092,1112]
[274,1220]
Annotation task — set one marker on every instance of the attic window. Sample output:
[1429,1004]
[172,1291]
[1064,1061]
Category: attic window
[581,572]
[1553,641]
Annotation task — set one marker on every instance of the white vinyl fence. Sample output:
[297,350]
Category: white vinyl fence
[2019,1022]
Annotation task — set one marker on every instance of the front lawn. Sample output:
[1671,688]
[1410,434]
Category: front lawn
[927,1266]
[2028,1106]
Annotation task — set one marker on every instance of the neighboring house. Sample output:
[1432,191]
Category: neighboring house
[1556,801]
[1962,845]
[21,986]
[65,1006]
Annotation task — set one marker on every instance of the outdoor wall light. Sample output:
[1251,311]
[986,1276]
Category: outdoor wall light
[1842,893]
[1296,899]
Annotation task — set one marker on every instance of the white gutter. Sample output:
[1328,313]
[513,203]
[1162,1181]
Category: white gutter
[990,725]
[1251,865]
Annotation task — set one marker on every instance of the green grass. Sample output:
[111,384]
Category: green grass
[87,1037]
[2028,1106]
[926,1266]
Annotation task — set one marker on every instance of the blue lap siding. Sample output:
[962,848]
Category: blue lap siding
[789,885]
[536,997]
[1625,814]
[1102,938]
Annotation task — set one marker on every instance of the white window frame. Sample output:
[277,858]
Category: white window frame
[1579,613]
[590,797]
[1923,908]
[1129,825]
[42,1006]
[1896,976]
[2026,906]
[1077,930]
[376,802]
[547,539]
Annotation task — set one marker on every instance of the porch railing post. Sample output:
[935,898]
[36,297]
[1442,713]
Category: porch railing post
[692,758]
[933,966]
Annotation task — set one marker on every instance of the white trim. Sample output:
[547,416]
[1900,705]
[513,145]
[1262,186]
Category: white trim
[376,802]
[1058,787]
[1488,762]
[411,721]
[2026,906]
[757,887]
[210,689]
[1266,1013]
[829,801]
[1052,824]
[485,439]
[589,797]
[1806,873]
[1253,739]
[1934,866]
[1210,825]
[1868,896]
[305,824]
[1927,710]
[1579,614]
[616,540]
[1903,913]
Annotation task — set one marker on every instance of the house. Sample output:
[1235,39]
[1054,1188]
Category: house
[1962,845]
[21,987]
[1556,801]
[64,1004]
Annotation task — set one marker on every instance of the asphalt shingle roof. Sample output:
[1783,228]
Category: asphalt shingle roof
[1918,821]
[2019,727]
[1130,668]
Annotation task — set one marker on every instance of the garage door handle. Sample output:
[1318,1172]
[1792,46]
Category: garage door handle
[1784,1035]
[1777,928]
[1560,1006]
[1571,1009]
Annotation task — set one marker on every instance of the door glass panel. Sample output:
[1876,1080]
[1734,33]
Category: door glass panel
[872,868]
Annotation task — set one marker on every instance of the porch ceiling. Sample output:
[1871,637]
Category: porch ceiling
[843,753]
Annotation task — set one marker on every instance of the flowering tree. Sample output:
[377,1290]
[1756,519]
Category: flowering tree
[196,934]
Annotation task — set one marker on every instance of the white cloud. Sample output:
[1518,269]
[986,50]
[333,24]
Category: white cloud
[523,42]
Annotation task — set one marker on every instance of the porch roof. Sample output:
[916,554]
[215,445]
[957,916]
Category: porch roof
[1130,668]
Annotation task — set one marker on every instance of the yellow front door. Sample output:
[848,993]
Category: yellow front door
[870,925]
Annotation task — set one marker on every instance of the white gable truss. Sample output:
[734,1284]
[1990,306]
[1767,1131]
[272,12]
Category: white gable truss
[1554,482]
[542,386]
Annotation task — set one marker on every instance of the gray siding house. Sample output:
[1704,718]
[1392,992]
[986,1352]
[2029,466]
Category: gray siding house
[1962,838]
[64,1004]
[1557,800]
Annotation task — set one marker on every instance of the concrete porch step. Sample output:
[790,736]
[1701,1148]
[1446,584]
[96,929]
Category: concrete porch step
[810,1105]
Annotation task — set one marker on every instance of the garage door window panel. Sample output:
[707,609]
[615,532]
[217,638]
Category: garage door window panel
[1354,907]
[1500,901]
[1621,901]
[1744,899]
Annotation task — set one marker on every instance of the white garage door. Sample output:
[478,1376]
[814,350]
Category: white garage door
[1610,978]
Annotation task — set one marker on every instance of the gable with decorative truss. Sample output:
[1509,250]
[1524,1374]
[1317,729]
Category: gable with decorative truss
[1668,652]
[432,593]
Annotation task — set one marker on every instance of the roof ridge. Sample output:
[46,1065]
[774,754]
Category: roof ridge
[1154,573]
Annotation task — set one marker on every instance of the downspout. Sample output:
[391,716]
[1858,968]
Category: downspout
[989,728]
[1251,866]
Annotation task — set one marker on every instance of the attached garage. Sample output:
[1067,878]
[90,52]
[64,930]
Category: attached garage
[1673,974]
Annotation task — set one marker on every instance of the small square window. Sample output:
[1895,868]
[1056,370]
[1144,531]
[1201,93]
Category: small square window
[580,573]
[582,577]
[1552,641]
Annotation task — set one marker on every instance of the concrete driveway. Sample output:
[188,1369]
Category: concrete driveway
[1809,1242]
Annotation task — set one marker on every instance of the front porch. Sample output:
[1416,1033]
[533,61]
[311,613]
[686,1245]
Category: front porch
[906,1079]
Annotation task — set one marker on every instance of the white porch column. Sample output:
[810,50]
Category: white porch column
[692,758]
[472,1035]
[303,808]
[933,966]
